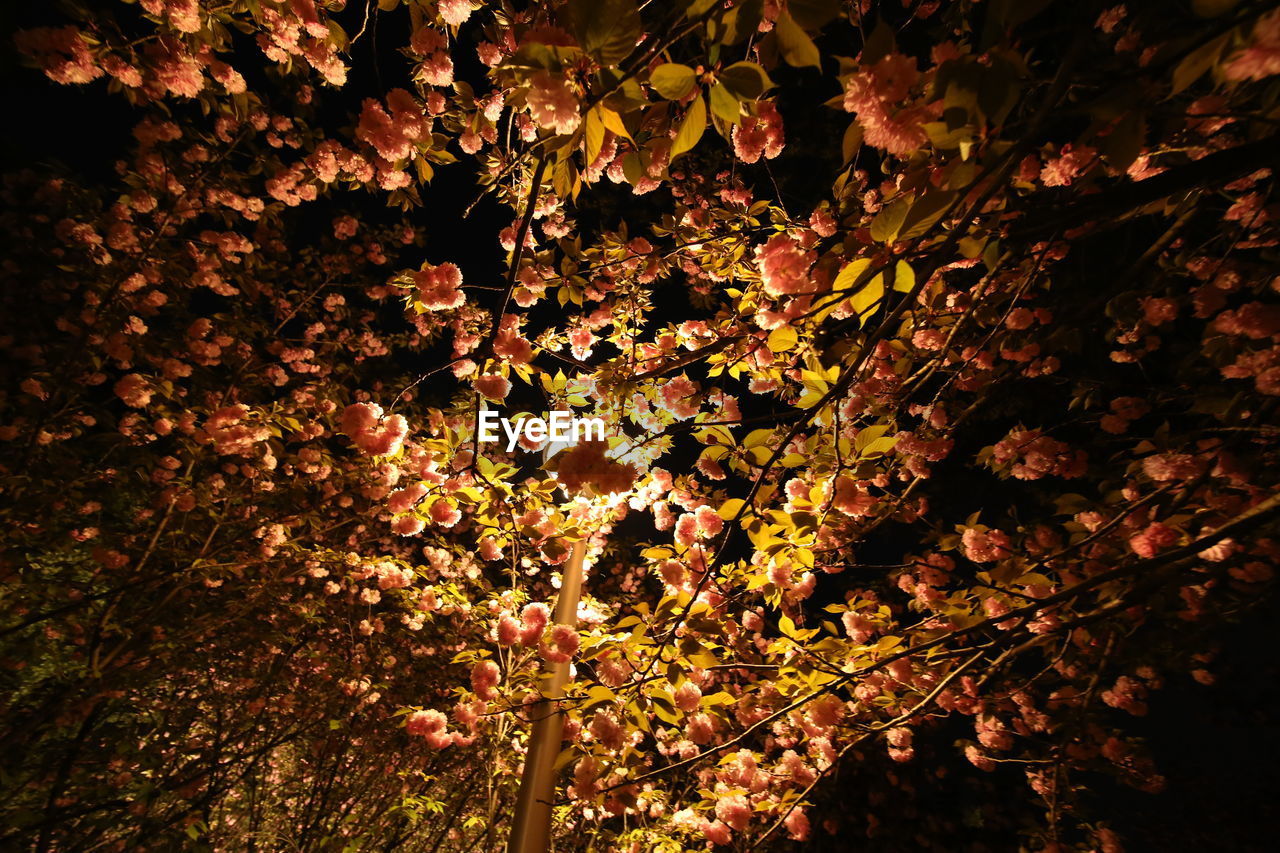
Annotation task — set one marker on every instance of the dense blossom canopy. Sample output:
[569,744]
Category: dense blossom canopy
[938,345]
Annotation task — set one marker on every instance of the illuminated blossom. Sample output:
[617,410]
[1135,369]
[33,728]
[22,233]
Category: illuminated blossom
[784,266]
[439,287]
[552,103]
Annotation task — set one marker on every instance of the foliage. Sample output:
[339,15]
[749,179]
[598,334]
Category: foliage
[938,343]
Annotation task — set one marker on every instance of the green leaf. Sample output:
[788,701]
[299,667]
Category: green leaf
[745,80]
[812,14]
[730,508]
[1213,8]
[1124,143]
[868,299]
[724,104]
[673,81]
[606,29]
[904,279]
[594,135]
[848,276]
[782,339]
[852,140]
[691,127]
[884,228]
[924,213]
[739,22]
[796,46]
[1196,63]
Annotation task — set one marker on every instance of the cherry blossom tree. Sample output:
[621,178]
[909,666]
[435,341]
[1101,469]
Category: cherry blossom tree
[938,345]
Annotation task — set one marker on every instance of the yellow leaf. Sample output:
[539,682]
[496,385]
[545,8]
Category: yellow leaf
[903,278]
[730,508]
[796,46]
[868,299]
[691,127]
[848,276]
[594,134]
[613,121]
[782,339]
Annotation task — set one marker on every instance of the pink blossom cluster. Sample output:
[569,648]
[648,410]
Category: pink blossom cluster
[759,135]
[553,103]
[373,433]
[784,265]
[877,93]
[393,135]
[1031,455]
[439,287]
[586,467]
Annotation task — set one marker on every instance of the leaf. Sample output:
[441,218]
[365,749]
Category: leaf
[1196,63]
[724,104]
[924,213]
[796,46]
[884,228]
[673,81]
[1124,143]
[852,140]
[606,29]
[730,508]
[691,127]
[848,276]
[594,135]
[1213,8]
[782,339]
[745,80]
[812,14]
[740,22]
[868,299]
[904,279]
[613,121]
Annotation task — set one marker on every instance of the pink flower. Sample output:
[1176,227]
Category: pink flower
[985,547]
[716,832]
[429,724]
[1152,540]
[1163,467]
[759,135]
[371,432]
[1253,320]
[454,12]
[508,630]
[439,287]
[877,94]
[734,810]
[444,513]
[1261,57]
[797,824]
[552,103]
[493,386]
[1070,164]
[484,677]
[563,645]
[437,66]
[784,266]
[408,525]
[1157,311]
[585,467]
[134,390]
[534,618]
[688,697]
[709,522]
[851,499]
